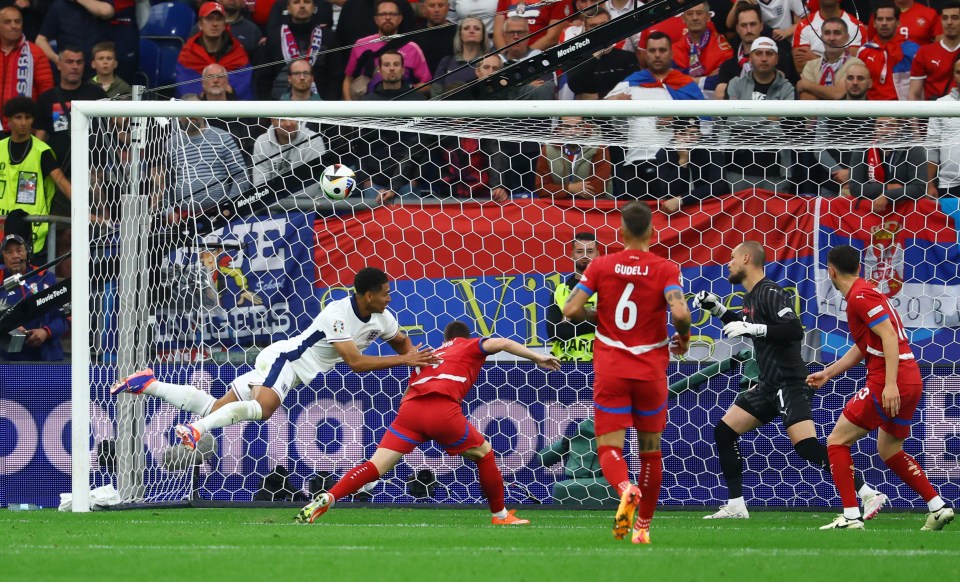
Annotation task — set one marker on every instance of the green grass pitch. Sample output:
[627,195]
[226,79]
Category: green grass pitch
[429,544]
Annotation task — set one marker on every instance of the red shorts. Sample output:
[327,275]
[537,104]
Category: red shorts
[620,403]
[865,409]
[431,418]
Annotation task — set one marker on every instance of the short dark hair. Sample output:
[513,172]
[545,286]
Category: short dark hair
[755,251]
[585,237]
[886,4]
[392,52]
[376,5]
[845,259]
[71,49]
[658,35]
[369,279]
[455,329]
[19,104]
[637,218]
[836,20]
[949,4]
[743,7]
[104,46]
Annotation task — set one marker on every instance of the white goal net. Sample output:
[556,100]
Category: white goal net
[219,241]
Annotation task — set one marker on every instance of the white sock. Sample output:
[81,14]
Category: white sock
[866,491]
[182,396]
[738,503]
[851,512]
[502,514]
[936,504]
[229,414]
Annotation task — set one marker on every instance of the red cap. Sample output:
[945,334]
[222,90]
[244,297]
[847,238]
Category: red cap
[210,7]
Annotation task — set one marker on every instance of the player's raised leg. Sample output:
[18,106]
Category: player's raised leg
[183,396]
[890,448]
[382,461]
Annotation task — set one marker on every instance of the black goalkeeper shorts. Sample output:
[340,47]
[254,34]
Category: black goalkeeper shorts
[766,402]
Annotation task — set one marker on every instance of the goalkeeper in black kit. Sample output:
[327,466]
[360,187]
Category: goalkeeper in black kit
[769,319]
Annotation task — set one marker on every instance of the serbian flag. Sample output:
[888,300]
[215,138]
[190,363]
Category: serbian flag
[681,87]
[910,254]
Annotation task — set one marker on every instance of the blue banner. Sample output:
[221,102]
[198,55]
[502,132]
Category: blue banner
[338,420]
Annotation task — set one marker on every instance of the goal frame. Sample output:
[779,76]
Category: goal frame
[84,112]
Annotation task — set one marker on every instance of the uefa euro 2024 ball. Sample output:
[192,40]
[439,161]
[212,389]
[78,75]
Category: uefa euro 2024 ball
[338,181]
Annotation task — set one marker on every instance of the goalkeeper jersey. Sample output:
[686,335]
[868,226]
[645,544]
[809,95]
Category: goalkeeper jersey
[312,351]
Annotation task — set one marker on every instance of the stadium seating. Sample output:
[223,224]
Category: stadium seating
[169,21]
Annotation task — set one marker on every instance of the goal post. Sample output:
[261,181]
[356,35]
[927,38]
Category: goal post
[198,304]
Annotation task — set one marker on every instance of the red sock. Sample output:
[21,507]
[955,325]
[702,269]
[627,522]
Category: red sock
[909,471]
[614,467]
[651,476]
[491,482]
[355,478]
[841,467]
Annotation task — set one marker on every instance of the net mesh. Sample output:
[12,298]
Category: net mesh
[473,219]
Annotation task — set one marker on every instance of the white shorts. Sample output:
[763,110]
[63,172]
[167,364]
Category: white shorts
[258,376]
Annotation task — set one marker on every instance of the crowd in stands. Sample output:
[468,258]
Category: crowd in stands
[299,50]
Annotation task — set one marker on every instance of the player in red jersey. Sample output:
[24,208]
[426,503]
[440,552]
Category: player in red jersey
[430,410]
[634,289]
[918,23]
[887,401]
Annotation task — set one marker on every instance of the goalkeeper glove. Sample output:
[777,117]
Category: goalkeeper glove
[741,328]
[709,302]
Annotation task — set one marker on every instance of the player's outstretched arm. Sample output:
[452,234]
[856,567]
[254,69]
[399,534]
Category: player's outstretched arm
[359,362]
[499,344]
[849,360]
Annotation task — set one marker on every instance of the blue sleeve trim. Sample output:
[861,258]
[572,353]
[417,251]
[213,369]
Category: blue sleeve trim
[584,288]
[879,321]
[480,345]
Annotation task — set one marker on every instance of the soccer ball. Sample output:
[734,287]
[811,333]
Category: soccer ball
[338,181]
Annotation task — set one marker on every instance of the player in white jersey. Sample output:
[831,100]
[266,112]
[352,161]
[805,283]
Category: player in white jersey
[341,332]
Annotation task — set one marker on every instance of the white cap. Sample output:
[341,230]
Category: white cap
[764,42]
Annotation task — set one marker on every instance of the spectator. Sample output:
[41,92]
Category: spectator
[543,88]
[300,35]
[436,39]
[825,77]
[781,17]
[54,128]
[105,64]
[887,56]
[884,175]
[650,171]
[75,23]
[42,343]
[355,22]
[285,146]
[571,170]
[749,27]
[300,81]
[573,342]
[31,173]
[470,43]
[700,51]
[807,38]
[473,167]
[206,168]
[213,44]
[245,130]
[540,19]
[930,78]
[918,23]
[857,83]
[33,11]
[26,69]
[241,27]
[323,9]
[599,75]
[393,156]
[752,168]
[364,57]
[482,9]
[943,167]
